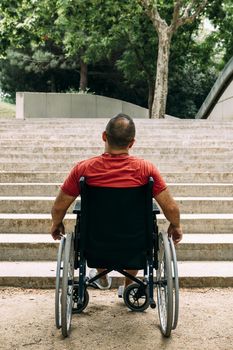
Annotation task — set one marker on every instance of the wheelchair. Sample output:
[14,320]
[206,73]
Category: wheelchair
[116,229]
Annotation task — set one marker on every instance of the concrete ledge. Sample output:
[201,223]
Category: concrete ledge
[70,105]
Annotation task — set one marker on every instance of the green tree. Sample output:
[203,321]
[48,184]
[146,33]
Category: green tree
[49,44]
[182,12]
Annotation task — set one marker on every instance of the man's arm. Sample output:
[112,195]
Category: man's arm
[172,213]
[59,209]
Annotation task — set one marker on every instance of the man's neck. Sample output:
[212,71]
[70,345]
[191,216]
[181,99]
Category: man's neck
[116,151]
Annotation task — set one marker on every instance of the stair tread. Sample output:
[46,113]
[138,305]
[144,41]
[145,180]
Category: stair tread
[186,268]
[50,198]
[160,216]
[197,238]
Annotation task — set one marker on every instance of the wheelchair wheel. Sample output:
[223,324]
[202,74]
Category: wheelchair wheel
[175,284]
[60,257]
[67,285]
[77,309]
[136,298]
[165,285]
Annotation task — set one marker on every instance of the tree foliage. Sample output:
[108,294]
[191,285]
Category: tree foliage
[48,45]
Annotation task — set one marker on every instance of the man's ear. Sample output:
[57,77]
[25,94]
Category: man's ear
[104,136]
[131,143]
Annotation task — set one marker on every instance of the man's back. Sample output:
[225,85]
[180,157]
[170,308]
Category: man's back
[117,171]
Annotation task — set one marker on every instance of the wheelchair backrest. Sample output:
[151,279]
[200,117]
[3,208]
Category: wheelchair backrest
[116,225]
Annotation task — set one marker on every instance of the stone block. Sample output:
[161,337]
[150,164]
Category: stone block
[35,105]
[70,105]
[107,107]
[134,111]
[58,105]
[83,106]
[19,105]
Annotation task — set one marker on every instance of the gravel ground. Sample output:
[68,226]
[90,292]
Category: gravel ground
[27,322]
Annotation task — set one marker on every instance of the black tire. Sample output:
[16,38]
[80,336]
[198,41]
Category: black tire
[77,308]
[59,274]
[165,285]
[175,284]
[67,285]
[136,298]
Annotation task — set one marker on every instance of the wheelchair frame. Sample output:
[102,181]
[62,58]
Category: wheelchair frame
[71,295]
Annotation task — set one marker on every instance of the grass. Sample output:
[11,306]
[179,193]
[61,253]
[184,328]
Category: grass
[7,110]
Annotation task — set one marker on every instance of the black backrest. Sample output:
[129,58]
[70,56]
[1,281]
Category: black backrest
[116,226]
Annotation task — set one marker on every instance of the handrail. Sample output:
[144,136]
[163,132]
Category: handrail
[221,84]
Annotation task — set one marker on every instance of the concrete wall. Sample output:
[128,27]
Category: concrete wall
[223,109]
[71,105]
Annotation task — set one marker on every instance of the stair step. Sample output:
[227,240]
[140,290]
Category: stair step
[59,176]
[191,223]
[33,204]
[36,156]
[147,142]
[201,247]
[177,190]
[204,205]
[27,247]
[201,189]
[21,189]
[59,151]
[40,274]
[195,247]
[163,167]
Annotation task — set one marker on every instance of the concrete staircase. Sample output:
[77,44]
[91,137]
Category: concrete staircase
[194,156]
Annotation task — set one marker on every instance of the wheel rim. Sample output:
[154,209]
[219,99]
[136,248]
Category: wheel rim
[175,284]
[136,297]
[67,285]
[162,291]
[76,308]
[165,285]
[59,274]
[135,300]
[69,300]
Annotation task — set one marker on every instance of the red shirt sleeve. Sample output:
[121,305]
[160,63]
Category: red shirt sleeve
[71,183]
[159,183]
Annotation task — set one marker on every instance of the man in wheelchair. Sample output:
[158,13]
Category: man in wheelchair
[115,168]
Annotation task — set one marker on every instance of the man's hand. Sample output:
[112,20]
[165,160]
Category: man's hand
[59,209]
[57,231]
[176,233]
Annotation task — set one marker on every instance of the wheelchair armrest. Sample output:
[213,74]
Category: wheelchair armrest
[156,209]
[77,207]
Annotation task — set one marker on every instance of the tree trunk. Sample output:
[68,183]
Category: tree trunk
[83,76]
[151,88]
[161,83]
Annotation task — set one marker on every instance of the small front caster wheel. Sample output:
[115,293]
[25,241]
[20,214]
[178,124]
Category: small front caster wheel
[136,297]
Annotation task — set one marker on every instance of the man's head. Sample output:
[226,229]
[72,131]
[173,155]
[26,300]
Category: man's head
[120,132]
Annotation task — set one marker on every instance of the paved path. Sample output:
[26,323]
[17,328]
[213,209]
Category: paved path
[27,322]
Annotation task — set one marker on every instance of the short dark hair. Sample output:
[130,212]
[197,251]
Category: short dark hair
[120,131]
